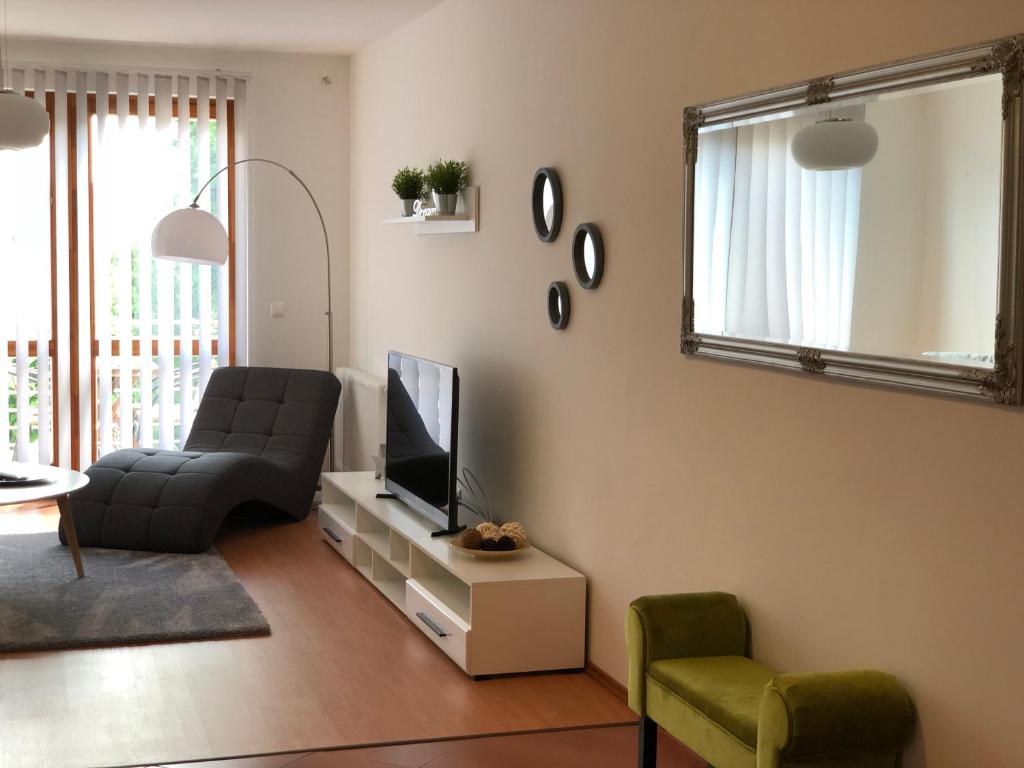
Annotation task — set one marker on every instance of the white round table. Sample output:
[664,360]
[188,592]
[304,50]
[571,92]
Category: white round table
[60,483]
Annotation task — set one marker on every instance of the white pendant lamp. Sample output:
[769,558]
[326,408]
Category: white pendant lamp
[192,236]
[24,122]
[835,144]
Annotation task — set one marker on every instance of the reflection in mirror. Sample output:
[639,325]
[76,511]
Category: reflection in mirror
[549,204]
[588,255]
[897,257]
[546,202]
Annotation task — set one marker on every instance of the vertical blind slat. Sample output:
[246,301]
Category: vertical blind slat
[182,185]
[44,366]
[102,227]
[205,277]
[86,425]
[117,162]
[62,333]
[165,270]
[224,272]
[146,168]
[241,340]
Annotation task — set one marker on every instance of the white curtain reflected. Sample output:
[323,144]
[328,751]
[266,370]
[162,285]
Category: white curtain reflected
[775,246]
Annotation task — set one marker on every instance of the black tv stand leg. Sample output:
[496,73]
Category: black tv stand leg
[447,532]
[648,752]
[386,496]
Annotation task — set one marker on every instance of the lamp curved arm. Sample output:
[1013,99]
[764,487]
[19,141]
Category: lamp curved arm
[323,226]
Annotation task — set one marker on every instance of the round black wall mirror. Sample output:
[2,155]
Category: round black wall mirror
[558,305]
[547,204]
[588,255]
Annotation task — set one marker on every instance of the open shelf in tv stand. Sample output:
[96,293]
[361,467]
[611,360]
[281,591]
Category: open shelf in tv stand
[522,614]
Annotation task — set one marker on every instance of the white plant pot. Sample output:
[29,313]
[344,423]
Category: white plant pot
[446,204]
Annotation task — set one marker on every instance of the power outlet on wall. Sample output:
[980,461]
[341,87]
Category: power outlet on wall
[277,309]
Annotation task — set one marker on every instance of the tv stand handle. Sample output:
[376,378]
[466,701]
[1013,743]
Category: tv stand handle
[331,534]
[434,626]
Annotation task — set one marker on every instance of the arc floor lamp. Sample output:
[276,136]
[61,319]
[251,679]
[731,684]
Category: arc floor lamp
[194,236]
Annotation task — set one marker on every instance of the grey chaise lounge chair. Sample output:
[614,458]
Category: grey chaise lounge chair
[258,438]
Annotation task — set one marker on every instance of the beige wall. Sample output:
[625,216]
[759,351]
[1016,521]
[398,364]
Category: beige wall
[958,298]
[891,238]
[860,527]
[295,120]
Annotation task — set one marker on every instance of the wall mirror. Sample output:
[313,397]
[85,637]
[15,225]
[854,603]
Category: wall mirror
[588,255]
[547,204]
[558,305]
[865,225]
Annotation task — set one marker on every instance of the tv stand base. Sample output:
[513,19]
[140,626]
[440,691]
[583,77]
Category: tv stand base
[447,532]
[524,614]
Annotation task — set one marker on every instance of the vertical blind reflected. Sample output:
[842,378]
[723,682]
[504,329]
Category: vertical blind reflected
[775,246]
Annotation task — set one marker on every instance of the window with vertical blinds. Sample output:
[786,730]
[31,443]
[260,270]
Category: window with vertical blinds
[106,347]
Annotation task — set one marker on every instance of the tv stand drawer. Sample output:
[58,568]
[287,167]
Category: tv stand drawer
[338,534]
[446,630]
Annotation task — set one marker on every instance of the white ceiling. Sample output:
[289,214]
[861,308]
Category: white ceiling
[312,26]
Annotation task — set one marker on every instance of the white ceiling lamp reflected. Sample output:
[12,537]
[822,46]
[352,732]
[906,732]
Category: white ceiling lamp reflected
[24,122]
[835,144]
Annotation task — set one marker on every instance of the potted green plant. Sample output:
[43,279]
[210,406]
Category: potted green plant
[408,184]
[446,178]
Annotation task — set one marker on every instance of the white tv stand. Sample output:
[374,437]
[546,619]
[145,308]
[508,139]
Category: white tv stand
[521,614]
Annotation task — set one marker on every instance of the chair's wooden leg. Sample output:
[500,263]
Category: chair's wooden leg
[648,730]
[64,507]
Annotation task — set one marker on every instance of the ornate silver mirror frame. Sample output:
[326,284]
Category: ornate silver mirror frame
[1000,383]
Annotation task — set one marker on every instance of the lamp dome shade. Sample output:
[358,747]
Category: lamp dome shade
[190,235]
[24,122]
[834,145]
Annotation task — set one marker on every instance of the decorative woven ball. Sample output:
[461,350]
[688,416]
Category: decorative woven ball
[506,544]
[489,545]
[489,530]
[515,531]
[471,539]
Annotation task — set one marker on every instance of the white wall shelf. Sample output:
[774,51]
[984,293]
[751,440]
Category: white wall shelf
[523,614]
[465,219]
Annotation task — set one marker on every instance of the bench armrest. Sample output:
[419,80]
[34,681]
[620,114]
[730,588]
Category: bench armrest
[680,626]
[832,714]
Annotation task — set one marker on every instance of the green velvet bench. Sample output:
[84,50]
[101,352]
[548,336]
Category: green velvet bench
[690,672]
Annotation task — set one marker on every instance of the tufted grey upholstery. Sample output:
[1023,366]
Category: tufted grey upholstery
[259,436]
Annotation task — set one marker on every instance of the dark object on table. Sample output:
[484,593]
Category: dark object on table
[471,539]
[20,481]
[489,545]
[506,544]
[258,440]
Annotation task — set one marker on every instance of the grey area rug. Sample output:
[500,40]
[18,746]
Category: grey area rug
[125,597]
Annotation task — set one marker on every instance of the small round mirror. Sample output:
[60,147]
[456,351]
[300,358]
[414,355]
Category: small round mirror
[547,204]
[558,305]
[588,255]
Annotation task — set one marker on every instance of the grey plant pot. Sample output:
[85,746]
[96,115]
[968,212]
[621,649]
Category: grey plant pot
[407,207]
[446,204]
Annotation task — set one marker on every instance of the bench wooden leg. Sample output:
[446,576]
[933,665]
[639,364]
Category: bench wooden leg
[648,752]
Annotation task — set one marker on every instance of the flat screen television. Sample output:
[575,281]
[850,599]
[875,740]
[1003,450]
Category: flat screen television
[421,463]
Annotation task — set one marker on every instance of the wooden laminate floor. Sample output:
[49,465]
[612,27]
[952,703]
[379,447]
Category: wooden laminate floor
[611,747]
[341,668]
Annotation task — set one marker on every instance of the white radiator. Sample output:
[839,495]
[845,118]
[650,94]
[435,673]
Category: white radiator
[364,402]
